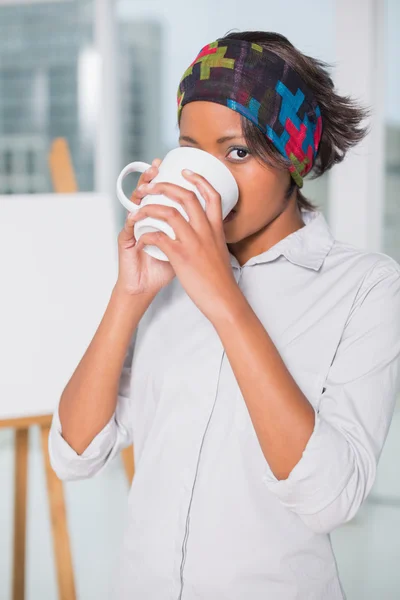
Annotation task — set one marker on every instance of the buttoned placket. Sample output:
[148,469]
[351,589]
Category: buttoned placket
[238,270]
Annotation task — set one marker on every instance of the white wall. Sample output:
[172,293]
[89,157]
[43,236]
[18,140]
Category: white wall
[392,62]
[189,26]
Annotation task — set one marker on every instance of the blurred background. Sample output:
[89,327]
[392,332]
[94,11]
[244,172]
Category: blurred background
[102,75]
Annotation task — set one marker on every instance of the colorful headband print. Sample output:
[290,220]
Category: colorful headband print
[261,86]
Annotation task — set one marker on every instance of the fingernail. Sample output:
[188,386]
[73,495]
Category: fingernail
[187,172]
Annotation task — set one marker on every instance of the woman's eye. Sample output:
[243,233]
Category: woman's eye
[241,153]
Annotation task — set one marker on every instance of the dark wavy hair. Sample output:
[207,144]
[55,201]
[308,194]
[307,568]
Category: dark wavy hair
[341,115]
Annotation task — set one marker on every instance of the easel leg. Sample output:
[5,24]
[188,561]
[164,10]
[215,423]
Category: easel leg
[20,492]
[65,574]
[128,460]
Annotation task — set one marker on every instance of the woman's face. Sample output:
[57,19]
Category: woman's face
[207,125]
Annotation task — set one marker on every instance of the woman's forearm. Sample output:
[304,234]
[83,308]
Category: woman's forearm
[282,416]
[90,396]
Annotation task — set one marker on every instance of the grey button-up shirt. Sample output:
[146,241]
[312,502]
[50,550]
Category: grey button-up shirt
[207,517]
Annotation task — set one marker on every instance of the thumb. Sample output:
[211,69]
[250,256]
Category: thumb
[126,233]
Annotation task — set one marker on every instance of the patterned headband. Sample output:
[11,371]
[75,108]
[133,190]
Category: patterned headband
[261,86]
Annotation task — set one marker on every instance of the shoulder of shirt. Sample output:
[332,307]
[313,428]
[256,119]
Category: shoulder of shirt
[371,266]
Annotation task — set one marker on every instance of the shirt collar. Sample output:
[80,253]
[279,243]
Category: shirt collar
[307,246]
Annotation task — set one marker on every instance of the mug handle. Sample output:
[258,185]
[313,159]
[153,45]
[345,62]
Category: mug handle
[133,167]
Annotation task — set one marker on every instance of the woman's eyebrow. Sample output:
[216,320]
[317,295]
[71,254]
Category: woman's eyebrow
[187,138]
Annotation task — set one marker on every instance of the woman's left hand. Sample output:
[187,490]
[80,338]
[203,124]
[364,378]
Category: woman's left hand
[199,254]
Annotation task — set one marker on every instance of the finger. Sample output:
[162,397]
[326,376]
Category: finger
[150,173]
[146,177]
[210,195]
[184,197]
[169,214]
[156,238]
[126,233]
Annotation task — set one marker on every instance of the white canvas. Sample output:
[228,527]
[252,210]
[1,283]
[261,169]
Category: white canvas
[58,265]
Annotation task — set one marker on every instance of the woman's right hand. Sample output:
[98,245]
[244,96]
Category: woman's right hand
[138,272]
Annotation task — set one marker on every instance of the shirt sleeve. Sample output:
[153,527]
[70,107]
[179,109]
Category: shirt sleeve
[115,435]
[338,466]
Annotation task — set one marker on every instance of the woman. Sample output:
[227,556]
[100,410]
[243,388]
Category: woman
[256,372]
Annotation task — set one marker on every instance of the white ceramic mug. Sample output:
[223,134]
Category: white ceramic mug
[170,170]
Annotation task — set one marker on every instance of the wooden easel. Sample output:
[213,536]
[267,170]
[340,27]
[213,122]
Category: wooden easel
[64,181]
[55,494]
